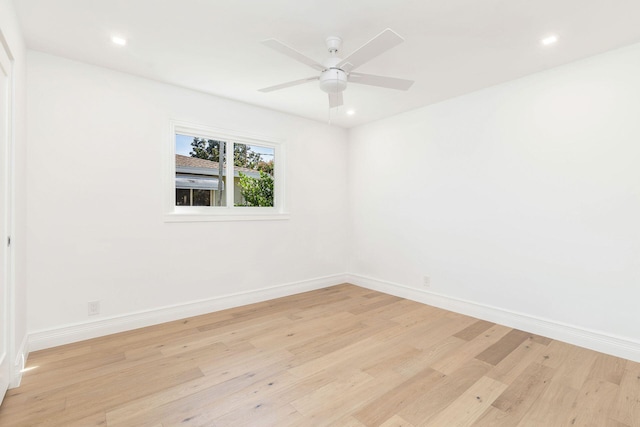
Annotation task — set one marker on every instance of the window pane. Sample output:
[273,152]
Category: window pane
[199,172]
[254,177]
[183,197]
[201,197]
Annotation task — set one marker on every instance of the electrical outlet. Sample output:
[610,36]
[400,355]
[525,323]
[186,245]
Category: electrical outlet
[426,281]
[94,308]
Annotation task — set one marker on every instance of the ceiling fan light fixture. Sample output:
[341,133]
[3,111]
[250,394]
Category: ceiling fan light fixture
[333,80]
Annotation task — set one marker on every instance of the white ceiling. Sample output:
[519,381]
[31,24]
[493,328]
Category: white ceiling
[451,47]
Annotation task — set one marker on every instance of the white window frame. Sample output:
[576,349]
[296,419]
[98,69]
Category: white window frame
[229,212]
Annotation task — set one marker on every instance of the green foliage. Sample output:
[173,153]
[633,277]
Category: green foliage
[209,149]
[244,157]
[257,191]
[266,167]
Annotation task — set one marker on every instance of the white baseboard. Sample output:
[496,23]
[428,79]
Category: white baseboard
[594,340]
[81,331]
[20,363]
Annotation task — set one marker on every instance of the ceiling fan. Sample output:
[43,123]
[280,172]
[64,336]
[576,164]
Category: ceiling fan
[335,72]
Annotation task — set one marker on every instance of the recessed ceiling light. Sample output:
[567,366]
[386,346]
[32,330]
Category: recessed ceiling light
[350,112]
[119,40]
[549,40]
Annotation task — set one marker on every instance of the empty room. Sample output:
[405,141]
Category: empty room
[304,213]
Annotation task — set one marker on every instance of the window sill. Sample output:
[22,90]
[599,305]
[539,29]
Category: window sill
[224,216]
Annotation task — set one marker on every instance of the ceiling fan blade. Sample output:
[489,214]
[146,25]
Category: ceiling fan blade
[288,84]
[388,82]
[335,99]
[374,47]
[292,53]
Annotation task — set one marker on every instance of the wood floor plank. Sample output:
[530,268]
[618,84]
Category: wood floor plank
[517,399]
[608,368]
[329,340]
[350,422]
[340,356]
[502,348]
[427,314]
[577,367]
[614,423]
[470,349]
[421,410]
[525,388]
[517,361]
[557,354]
[473,330]
[393,360]
[263,415]
[396,421]
[210,403]
[593,404]
[375,304]
[97,419]
[32,411]
[551,408]
[50,378]
[429,356]
[198,389]
[626,407]
[425,334]
[353,351]
[341,398]
[378,411]
[82,406]
[470,405]
[398,308]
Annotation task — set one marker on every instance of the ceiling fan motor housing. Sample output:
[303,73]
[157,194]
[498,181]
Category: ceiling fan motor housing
[334,44]
[333,80]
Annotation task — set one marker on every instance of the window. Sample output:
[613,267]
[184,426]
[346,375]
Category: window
[221,175]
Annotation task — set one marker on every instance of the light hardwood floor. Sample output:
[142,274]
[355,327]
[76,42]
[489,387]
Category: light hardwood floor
[341,356]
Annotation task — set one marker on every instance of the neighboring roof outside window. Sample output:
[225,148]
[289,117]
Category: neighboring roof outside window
[195,165]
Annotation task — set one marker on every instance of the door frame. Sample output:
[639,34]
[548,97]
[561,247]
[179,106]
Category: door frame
[8,263]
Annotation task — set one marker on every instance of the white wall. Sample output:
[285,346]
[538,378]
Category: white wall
[524,197]
[95,208]
[13,37]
